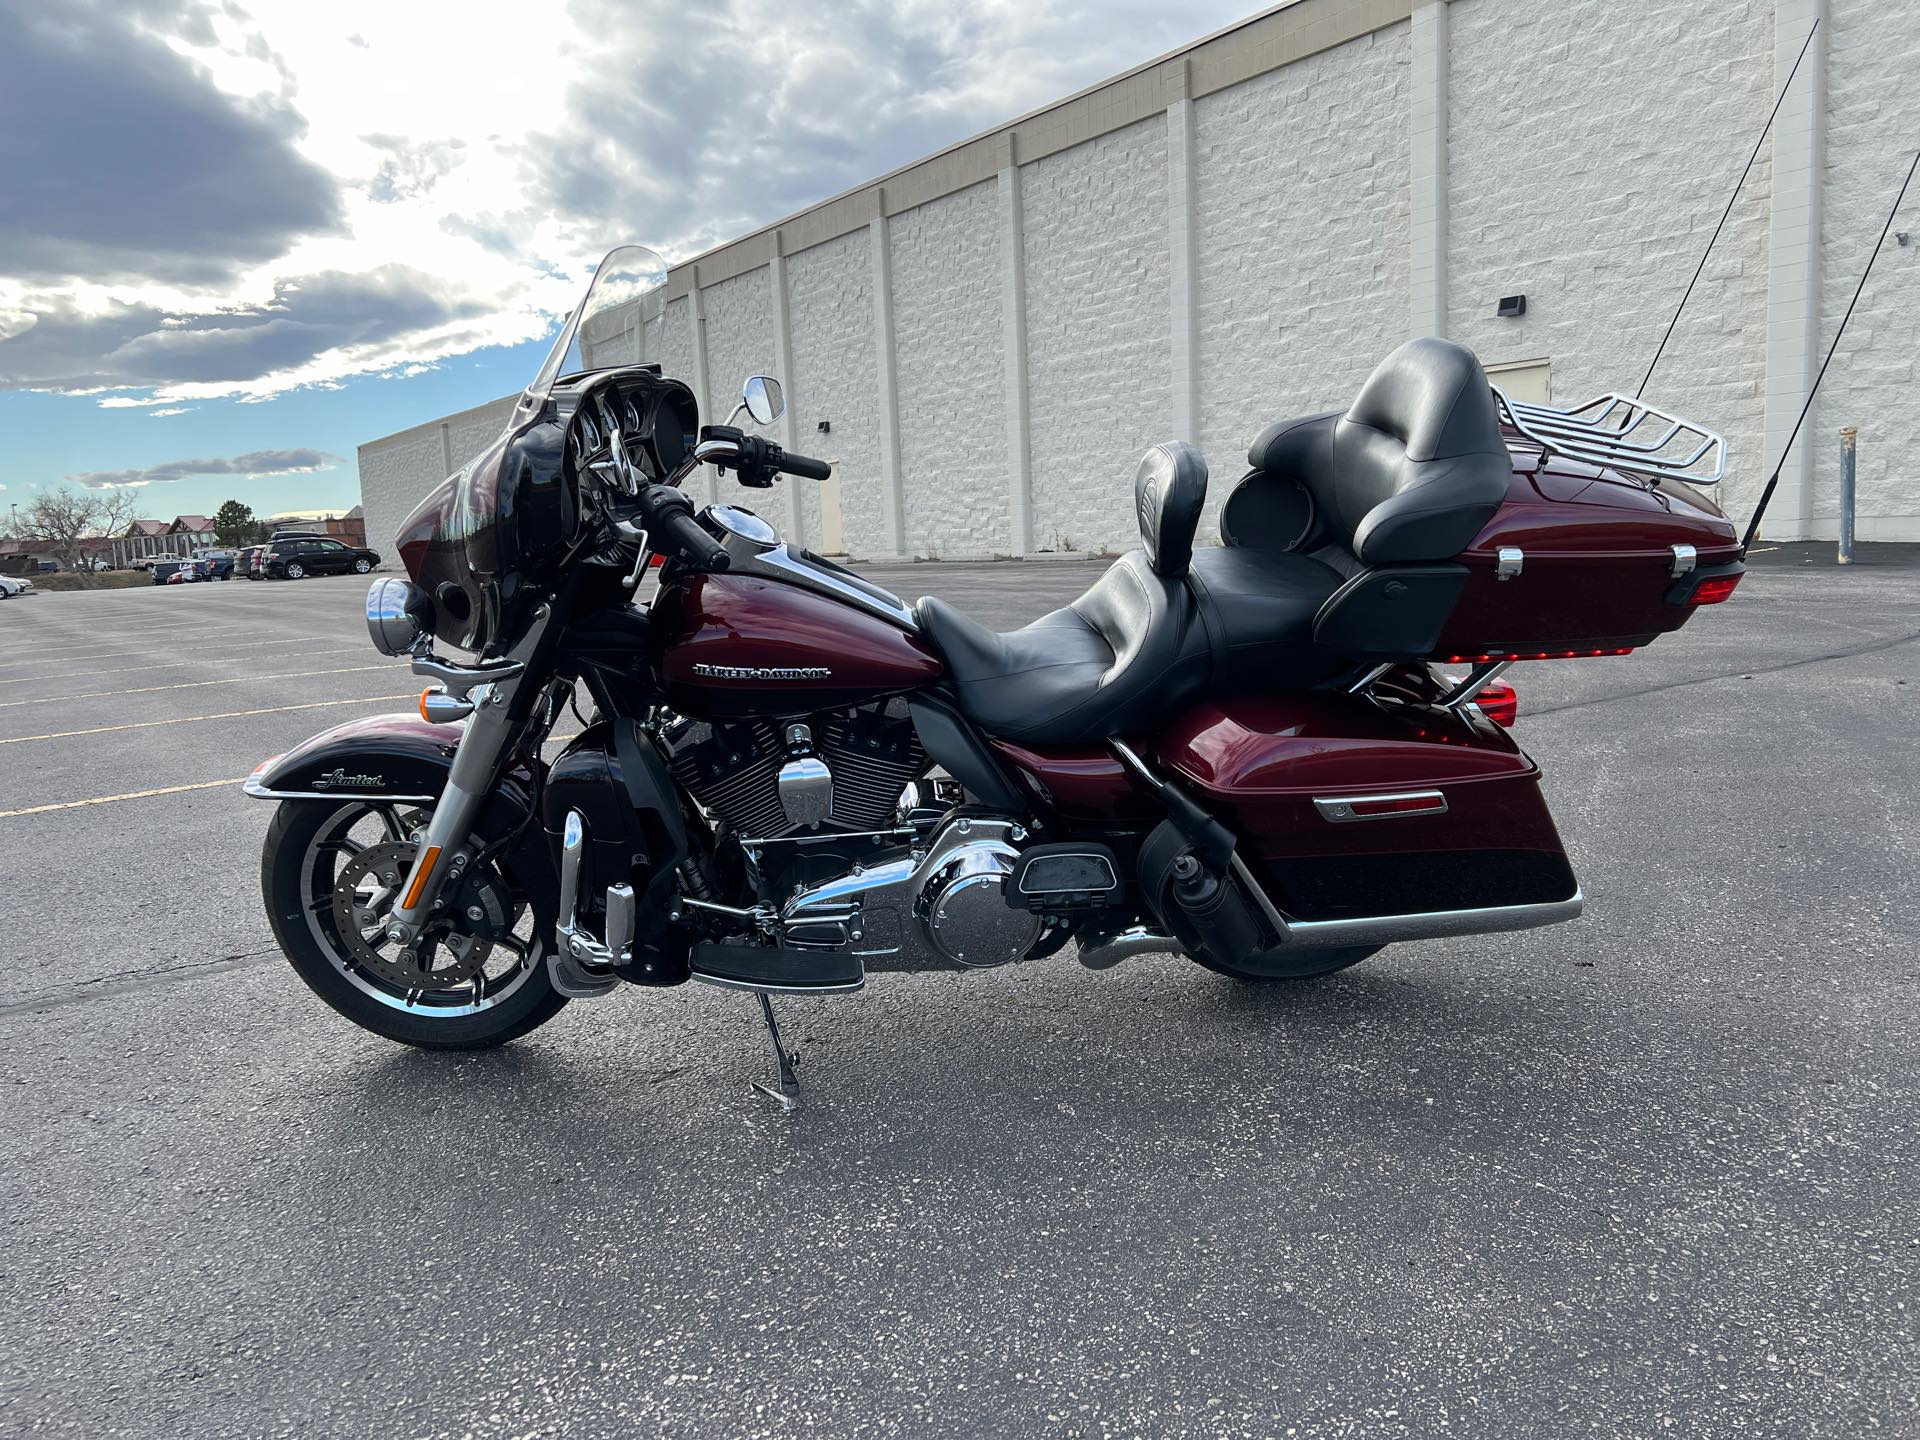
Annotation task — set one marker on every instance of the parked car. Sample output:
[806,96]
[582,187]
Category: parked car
[166,569]
[12,585]
[296,557]
[216,565]
[249,562]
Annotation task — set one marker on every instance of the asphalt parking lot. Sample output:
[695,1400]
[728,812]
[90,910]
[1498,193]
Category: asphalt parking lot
[1652,1173]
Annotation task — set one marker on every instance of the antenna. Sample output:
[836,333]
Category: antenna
[1753,525]
[1779,100]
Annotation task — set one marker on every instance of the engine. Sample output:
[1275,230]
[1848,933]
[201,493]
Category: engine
[850,848]
[837,771]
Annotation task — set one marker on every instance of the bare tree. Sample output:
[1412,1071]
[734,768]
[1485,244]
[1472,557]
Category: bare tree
[67,518]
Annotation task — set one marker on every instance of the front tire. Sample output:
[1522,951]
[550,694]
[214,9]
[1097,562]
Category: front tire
[362,565]
[296,875]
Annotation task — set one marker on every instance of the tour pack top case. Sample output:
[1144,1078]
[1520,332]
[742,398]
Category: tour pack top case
[1444,521]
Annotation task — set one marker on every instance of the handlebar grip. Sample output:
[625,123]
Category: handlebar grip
[685,534]
[805,466]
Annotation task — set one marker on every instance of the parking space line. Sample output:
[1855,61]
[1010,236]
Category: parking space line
[193,685]
[116,799]
[168,665]
[190,719]
[108,654]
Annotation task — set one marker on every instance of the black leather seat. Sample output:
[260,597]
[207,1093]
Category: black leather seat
[1408,474]
[1385,494]
[1259,608]
[1129,650]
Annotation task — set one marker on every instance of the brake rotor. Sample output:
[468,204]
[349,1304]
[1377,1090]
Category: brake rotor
[451,952]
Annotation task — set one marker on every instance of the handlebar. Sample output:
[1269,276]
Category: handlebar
[668,517]
[756,459]
[805,466]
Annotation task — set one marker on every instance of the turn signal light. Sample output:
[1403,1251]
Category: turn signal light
[1499,702]
[1713,589]
[1535,655]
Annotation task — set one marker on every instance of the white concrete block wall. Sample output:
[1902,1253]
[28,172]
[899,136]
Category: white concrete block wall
[739,344]
[1098,368]
[398,471]
[953,431]
[1589,178]
[676,346]
[1577,153]
[1873,127]
[1302,191]
[830,294]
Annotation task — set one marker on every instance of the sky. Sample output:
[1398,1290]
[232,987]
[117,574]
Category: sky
[239,239]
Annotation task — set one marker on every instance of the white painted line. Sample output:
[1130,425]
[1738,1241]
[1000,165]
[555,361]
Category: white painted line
[169,665]
[189,719]
[116,799]
[148,650]
[194,685]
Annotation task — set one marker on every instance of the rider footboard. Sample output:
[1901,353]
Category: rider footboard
[1354,815]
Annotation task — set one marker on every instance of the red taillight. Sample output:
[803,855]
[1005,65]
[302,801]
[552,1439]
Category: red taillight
[1533,655]
[1499,702]
[1713,589]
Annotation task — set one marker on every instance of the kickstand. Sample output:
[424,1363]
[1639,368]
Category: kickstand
[788,1095]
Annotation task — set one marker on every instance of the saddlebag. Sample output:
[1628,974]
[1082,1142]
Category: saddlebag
[1352,814]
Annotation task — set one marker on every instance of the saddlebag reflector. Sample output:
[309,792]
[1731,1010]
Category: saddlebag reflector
[1342,809]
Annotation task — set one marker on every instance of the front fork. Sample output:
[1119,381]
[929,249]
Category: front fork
[491,731]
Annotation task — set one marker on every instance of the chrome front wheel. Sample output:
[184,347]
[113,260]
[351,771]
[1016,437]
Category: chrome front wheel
[331,874]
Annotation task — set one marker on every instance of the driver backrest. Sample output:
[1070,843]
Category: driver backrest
[1169,489]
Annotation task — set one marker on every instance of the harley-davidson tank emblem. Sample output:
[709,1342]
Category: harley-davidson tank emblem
[761,672]
[338,779]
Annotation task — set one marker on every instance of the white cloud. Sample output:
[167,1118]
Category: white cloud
[253,465]
[313,192]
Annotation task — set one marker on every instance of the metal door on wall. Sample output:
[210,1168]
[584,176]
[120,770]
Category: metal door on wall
[1528,381]
[833,530]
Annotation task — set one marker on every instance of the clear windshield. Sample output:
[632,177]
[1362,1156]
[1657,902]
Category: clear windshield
[620,320]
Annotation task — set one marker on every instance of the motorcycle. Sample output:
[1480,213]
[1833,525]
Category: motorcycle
[1273,756]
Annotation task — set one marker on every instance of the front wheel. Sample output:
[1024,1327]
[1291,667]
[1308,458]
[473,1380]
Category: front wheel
[362,565]
[330,872]
[1283,963]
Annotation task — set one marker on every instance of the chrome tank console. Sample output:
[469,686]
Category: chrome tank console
[754,548]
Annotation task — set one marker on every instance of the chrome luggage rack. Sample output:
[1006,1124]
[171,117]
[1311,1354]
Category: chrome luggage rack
[1622,432]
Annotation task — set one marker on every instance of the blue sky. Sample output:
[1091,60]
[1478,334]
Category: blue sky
[239,238]
[48,436]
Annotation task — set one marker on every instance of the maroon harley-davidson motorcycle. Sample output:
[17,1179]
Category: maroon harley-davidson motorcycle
[1274,755]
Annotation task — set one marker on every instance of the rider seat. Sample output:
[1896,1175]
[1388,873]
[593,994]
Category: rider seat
[1337,550]
[1127,651]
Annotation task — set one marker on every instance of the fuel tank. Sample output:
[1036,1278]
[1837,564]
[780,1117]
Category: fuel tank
[733,645]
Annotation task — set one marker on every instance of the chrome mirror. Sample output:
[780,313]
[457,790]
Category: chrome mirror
[763,399]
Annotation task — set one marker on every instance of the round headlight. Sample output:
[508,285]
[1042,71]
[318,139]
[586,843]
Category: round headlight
[398,614]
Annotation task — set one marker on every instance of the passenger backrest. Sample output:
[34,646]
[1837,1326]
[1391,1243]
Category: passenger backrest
[1413,469]
[1169,489]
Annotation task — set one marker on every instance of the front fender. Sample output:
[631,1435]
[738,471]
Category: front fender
[403,759]
[383,757]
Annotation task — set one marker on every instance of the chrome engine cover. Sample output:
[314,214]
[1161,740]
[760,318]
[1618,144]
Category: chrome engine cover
[940,906]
